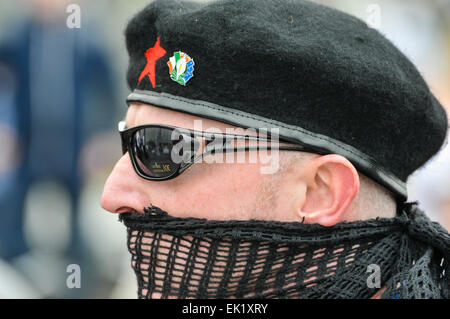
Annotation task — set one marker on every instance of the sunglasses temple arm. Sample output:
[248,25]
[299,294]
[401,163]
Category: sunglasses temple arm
[242,149]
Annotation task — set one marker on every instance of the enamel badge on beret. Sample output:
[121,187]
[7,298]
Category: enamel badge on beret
[181,67]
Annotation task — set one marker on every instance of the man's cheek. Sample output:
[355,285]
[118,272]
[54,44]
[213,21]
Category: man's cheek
[194,200]
[270,161]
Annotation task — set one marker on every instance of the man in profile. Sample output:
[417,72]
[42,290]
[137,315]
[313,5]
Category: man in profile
[348,118]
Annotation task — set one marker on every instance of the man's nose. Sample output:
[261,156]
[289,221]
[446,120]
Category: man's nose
[124,189]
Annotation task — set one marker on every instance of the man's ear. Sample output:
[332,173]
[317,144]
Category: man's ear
[332,183]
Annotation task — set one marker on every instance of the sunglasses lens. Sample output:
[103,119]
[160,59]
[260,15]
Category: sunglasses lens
[152,148]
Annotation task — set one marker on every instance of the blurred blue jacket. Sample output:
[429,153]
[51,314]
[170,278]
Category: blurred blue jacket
[63,93]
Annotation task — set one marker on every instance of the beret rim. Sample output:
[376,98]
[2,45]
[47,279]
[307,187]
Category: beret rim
[320,143]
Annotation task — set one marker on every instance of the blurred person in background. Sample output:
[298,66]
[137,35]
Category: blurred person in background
[56,93]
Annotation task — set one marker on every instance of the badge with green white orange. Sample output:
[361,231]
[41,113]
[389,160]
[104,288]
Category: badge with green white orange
[181,67]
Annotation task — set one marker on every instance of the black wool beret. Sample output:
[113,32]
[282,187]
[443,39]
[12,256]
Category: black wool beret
[323,77]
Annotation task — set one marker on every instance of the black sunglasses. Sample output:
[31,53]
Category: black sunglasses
[160,152]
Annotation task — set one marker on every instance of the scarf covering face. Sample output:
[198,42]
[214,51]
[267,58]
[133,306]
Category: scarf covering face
[198,258]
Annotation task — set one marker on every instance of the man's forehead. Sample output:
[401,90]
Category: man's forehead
[141,114]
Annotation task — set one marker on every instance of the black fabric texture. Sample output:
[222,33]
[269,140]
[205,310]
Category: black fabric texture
[299,63]
[199,258]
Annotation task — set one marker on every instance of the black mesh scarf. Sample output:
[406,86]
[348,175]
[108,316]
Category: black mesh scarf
[196,258]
